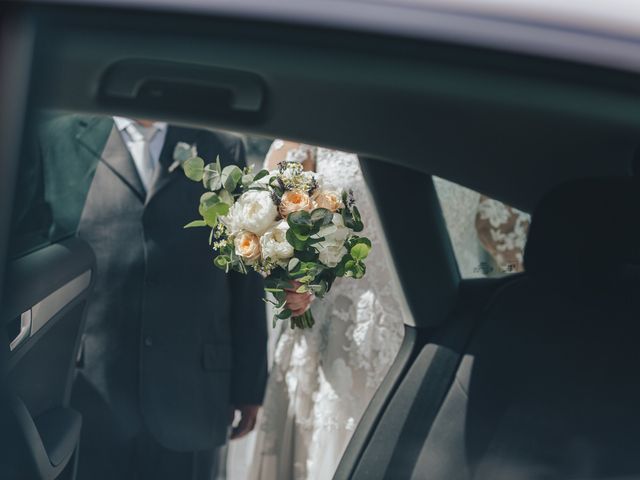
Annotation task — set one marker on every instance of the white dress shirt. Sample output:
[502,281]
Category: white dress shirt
[135,136]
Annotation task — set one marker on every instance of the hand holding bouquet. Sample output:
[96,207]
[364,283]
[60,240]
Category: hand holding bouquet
[285,224]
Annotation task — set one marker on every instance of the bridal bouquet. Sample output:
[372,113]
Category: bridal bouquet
[285,224]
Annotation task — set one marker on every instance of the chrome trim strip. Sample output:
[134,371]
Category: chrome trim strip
[25,330]
[48,307]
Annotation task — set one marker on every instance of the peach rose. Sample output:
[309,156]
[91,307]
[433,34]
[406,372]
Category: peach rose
[247,245]
[329,200]
[294,201]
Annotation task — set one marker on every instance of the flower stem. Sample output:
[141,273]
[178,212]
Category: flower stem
[305,320]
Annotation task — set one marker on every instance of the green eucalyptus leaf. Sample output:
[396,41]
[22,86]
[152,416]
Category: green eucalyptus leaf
[211,178]
[209,198]
[281,298]
[300,218]
[357,219]
[352,219]
[307,254]
[294,241]
[194,168]
[359,270]
[211,208]
[340,268]
[261,174]
[360,251]
[320,289]
[222,262]
[300,223]
[301,236]
[276,282]
[275,183]
[226,197]
[355,240]
[247,179]
[231,176]
[293,263]
[272,290]
[286,313]
[210,217]
[220,209]
[196,223]
[321,217]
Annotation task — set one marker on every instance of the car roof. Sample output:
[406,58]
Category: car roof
[585,30]
[503,101]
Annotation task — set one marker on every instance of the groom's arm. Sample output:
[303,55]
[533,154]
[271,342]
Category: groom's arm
[248,335]
[248,316]
[248,339]
[249,347]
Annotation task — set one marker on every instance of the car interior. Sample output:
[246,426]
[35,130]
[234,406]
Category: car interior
[526,376]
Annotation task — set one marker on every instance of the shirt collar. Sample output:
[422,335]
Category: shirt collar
[122,123]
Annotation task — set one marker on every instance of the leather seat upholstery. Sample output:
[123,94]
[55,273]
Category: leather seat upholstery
[549,385]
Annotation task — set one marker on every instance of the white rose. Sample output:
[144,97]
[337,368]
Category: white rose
[254,212]
[275,245]
[332,249]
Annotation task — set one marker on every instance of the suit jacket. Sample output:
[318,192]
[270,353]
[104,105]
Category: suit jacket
[170,340]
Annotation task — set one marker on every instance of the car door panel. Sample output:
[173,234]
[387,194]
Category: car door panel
[44,308]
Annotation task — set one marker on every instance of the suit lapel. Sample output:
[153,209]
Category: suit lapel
[162,176]
[114,155]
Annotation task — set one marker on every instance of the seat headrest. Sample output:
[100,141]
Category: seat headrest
[587,231]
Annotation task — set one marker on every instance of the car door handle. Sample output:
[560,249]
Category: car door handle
[25,330]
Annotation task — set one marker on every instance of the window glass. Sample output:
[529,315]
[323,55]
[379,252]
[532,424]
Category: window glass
[256,150]
[488,236]
[88,175]
[31,219]
[52,186]
[49,201]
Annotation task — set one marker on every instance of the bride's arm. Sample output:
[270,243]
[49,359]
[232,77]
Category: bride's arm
[284,150]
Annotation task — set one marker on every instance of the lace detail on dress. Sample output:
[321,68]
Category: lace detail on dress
[322,379]
[482,230]
[375,330]
[459,205]
[503,232]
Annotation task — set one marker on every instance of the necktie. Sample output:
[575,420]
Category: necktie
[141,138]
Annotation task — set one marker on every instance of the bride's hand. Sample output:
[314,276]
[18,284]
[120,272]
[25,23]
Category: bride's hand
[298,303]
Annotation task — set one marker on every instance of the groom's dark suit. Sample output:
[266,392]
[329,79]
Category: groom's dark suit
[170,340]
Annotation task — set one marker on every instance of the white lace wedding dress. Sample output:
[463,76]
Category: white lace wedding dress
[323,378]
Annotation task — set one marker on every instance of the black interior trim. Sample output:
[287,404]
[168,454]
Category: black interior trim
[418,103]
[174,88]
[430,277]
[422,388]
[62,261]
[42,431]
[35,453]
[411,344]
[59,429]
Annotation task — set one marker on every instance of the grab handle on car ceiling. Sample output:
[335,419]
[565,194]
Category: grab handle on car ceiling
[178,88]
